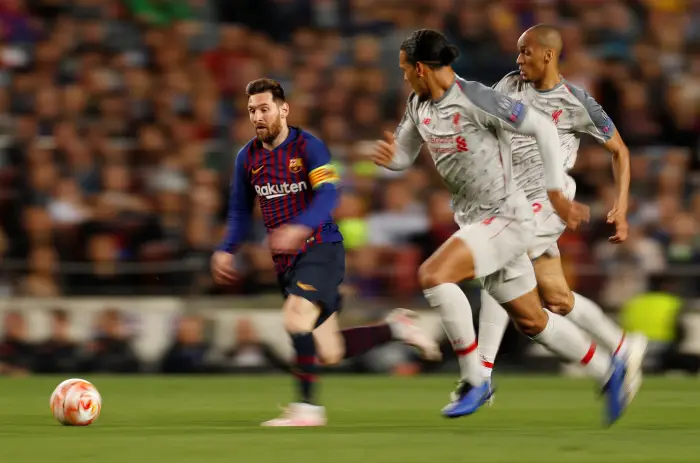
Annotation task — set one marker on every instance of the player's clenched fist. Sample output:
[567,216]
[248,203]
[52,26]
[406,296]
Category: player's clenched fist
[571,212]
[384,150]
[222,268]
[618,217]
[578,213]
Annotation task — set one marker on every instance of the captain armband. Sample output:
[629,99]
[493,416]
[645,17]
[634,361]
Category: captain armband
[324,174]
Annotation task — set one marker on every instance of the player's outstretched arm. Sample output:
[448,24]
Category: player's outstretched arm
[398,151]
[593,120]
[239,210]
[621,171]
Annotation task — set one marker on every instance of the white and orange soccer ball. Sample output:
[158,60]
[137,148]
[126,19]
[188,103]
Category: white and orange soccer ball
[76,402]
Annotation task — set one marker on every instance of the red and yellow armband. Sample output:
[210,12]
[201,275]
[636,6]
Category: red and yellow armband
[324,174]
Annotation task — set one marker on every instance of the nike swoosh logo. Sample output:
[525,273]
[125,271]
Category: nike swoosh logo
[306,287]
[255,171]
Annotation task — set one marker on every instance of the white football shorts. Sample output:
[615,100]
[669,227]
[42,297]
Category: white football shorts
[499,247]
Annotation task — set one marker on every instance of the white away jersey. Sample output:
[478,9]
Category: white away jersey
[572,110]
[460,131]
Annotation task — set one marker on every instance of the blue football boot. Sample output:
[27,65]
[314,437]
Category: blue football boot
[467,399]
[615,393]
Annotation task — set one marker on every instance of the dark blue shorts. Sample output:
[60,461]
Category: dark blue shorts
[316,276]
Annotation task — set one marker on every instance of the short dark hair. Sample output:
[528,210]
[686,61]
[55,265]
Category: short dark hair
[429,47]
[265,85]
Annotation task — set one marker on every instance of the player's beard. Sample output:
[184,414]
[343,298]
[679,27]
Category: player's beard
[269,133]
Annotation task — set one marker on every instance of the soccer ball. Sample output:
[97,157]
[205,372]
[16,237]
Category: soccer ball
[76,402]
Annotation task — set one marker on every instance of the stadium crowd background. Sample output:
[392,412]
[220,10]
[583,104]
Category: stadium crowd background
[120,120]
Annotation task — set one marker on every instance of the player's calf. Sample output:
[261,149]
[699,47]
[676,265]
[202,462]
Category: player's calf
[299,318]
[558,300]
[299,314]
[556,333]
[334,344]
[565,339]
[587,315]
[553,287]
[329,342]
[527,315]
[590,317]
[451,263]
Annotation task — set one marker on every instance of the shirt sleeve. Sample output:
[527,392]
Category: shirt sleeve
[323,178]
[591,118]
[545,132]
[240,205]
[497,110]
[501,112]
[408,140]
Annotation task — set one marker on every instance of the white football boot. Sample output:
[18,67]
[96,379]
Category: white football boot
[636,350]
[405,329]
[299,415]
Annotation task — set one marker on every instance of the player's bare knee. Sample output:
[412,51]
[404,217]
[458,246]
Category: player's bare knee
[430,275]
[299,315]
[559,301]
[330,357]
[532,323]
[330,350]
[293,324]
[330,345]
[427,276]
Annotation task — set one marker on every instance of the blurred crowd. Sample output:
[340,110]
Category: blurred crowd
[120,120]
[110,348]
[123,342]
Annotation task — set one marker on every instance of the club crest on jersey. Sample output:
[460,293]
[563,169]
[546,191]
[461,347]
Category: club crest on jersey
[295,165]
[556,115]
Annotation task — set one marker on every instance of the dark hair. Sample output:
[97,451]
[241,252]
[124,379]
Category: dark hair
[429,47]
[265,85]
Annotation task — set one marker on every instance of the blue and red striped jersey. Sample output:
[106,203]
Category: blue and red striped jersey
[295,184]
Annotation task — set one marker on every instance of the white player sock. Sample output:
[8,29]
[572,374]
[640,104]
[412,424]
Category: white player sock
[456,314]
[589,316]
[493,321]
[567,341]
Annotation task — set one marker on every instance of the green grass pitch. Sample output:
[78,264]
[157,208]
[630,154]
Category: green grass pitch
[372,419]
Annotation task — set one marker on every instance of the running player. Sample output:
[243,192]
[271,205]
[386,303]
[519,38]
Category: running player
[540,85]
[464,125]
[290,172]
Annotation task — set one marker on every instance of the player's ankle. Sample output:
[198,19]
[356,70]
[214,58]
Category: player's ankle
[486,369]
[622,350]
